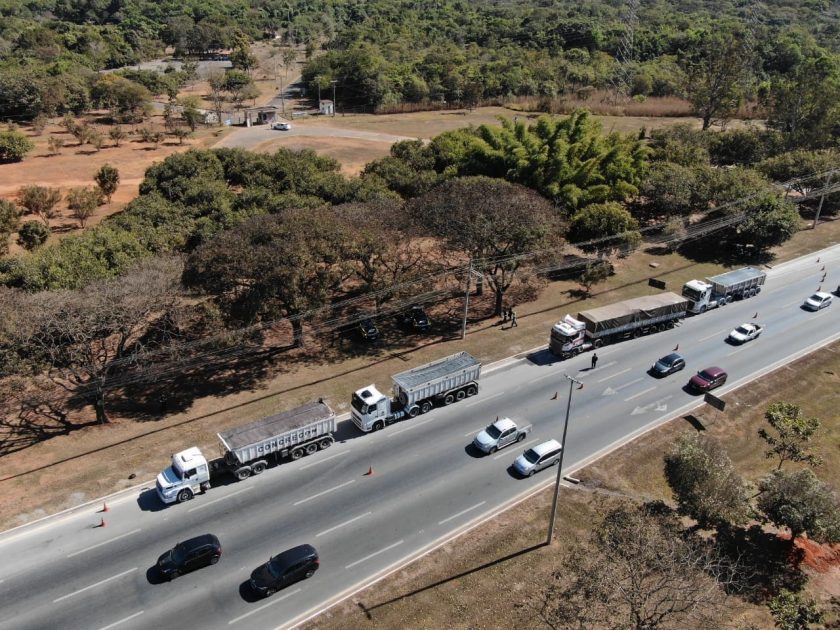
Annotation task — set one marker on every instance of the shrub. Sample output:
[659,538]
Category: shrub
[32,234]
[14,146]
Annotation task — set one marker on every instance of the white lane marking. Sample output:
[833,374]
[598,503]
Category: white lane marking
[320,494]
[76,553]
[644,391]
[626,385]
[462,512]
[100,583]
[411,426]
[116,623]
[713,335]
[352,520]
[326,459]
[521,446]
[224,498]
[473,432]
[606,378]
[792,303]
[475,402]
[374,554]
[264,606]
[740,349]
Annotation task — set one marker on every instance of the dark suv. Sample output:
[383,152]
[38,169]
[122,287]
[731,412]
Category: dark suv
[292,565]
[190,555]
[367,329]
[416,320]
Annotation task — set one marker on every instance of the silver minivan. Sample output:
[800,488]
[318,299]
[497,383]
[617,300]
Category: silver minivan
[538,457]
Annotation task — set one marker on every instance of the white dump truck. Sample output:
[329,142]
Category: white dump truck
[416,391]
[722,289]
[607,324]
[248,450]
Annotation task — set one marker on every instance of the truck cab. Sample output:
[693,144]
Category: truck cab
[699,295]
[371,409]
[188,474]
[568,337]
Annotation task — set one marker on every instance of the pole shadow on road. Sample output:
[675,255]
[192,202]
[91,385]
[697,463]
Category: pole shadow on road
[368,610]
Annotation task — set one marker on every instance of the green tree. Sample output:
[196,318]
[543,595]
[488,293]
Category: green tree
[236,83]
[32,234]
[9,222]
[55,144]
[108,179]
[41,201]
[770,220]
[117,135]
[216,85]
[715,65]
[609,224]
[791,612]
[242,57]
[596,272]
[793,432]
[128,101]
[181,133]
[492,221]
[802,503]
[681,144]
[14,146]
[82,202]
[704,482]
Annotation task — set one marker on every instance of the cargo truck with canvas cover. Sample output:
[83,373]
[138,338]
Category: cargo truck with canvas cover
[416,391]
[247,450]
[607,324]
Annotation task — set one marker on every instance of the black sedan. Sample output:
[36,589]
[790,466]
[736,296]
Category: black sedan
[668,364]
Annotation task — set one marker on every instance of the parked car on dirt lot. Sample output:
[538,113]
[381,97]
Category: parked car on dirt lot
[416,320]
[282,126]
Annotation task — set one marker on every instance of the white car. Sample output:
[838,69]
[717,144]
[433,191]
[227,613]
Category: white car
[819,300]
[282,126]
[538,457]
[746,332]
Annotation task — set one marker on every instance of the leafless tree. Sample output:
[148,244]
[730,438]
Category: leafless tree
[78,339]
[639,569]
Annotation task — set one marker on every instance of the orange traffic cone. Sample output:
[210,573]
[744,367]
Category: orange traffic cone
[677,347]
[554,397]
[101,523]
[105,507]
[580,386]
[818,260]
[369,473]
[756,315]
[822,268]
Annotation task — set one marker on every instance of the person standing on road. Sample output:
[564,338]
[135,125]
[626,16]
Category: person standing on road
[512,317]
[594,360]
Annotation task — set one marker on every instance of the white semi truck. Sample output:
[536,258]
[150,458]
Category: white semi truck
[248,450]
[722,289]
[416,391]
[622,320]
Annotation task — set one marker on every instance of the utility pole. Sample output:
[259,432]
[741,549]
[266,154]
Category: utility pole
[822,198]
[470,273]
[333,107]
[318,81]
[282,98]
[572,381]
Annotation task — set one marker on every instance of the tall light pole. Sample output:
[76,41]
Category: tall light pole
[572,381]
[333,84]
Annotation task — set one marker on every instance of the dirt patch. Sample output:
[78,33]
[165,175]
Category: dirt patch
[352,153]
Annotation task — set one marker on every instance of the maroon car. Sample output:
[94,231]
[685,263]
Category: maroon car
[707,379]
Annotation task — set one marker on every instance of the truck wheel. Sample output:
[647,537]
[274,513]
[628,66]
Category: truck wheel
[729,298]
[185,495]
[472,390]
[703,309]
[414,412]
[757,290]
[243,473]
[460,394]
[448,399]
[426,407]
[297,453]
[259,467]
[325,443]
[311,448]
[378,426]
[597,343]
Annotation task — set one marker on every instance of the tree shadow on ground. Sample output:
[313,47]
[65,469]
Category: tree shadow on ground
[730,254]
[27,428]
[765,562]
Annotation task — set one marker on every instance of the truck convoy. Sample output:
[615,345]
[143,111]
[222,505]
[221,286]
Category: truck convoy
[630,318]
[247,450]
[416,391]
[721,290]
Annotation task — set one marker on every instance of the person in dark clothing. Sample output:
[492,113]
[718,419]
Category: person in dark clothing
[594,360]
[162,399]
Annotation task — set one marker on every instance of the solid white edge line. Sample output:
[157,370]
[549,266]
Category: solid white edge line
[374,554]
[323,492]
[644,391]
[116,623]
[224,498]
[76,553]
[606,378]
[326,459]
[523,445]
[264,606]
[511,503]
[461,513]
[82,590]
[352,520]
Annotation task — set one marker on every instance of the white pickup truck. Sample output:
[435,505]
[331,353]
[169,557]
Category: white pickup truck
[503,432]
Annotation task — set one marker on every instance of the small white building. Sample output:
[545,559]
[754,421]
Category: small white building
[326,108]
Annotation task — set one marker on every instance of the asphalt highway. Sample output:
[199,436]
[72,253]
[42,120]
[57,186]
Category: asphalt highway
[427,483]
